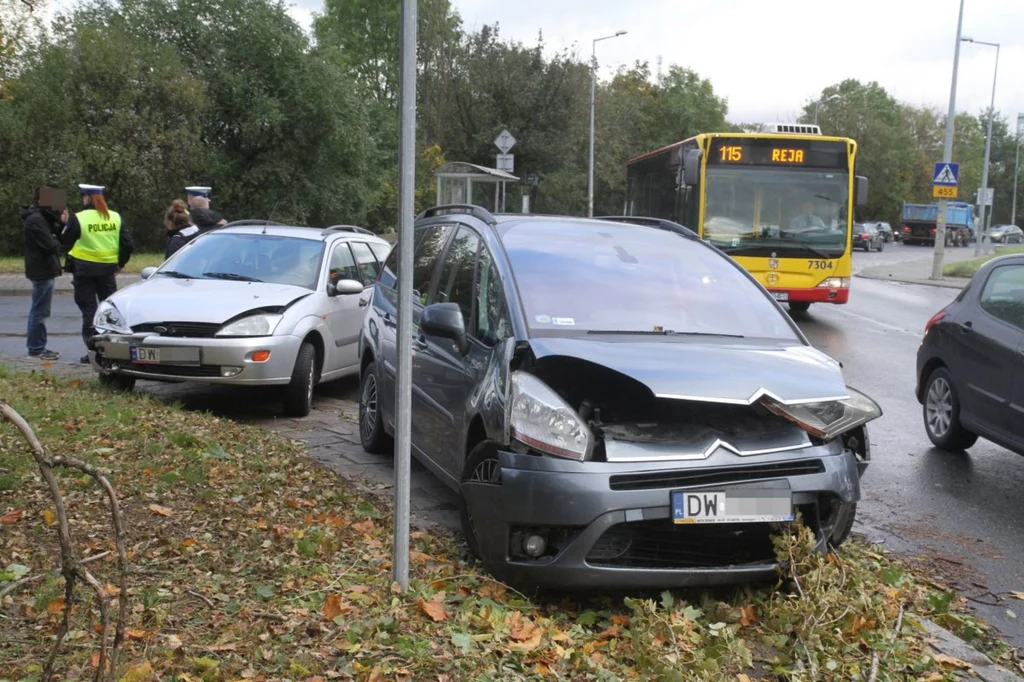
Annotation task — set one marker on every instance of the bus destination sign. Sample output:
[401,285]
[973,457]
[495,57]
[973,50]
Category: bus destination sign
[769,152]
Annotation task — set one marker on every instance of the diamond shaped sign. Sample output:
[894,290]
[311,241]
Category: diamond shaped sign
[505,141]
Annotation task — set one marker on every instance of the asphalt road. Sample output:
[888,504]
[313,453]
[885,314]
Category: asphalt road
[960,513]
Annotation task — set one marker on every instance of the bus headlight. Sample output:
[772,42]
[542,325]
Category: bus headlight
[835,283]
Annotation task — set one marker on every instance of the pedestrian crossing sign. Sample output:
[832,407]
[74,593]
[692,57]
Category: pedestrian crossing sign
[946,174]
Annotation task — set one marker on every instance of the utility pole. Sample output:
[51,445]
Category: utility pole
[593,87]
[979,246]
[1016,167]
[947,154]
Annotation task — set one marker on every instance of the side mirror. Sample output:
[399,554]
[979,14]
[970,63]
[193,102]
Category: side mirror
[344,287]
[147,272]
[860,190]
[445,320]
[691,167]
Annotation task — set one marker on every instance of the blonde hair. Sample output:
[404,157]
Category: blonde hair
[177,215]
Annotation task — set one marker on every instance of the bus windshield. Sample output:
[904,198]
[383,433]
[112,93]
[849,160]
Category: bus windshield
[765,211]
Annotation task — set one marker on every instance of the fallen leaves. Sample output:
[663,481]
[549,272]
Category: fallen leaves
[48,517]
[160,511]
[1018,595]
[526,634]
[951,661]
[55,606]
[334,608]
[433,609]
[12,517]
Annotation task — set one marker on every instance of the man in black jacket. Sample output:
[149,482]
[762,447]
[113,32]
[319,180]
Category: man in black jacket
[41,227]
[203,217]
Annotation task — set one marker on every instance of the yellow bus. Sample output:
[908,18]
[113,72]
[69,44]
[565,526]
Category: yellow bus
[779,202]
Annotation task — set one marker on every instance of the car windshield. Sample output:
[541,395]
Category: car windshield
[630,279]
[249,258]
[760,212]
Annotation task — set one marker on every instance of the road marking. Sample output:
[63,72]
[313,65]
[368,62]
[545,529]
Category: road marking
[883,325]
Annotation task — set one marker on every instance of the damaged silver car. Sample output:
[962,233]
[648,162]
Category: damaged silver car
[618,403]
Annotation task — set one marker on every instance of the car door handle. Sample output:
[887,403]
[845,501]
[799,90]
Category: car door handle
[388,320]
[965,327]
[363,302]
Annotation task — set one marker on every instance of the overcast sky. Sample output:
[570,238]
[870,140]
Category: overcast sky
[769,58]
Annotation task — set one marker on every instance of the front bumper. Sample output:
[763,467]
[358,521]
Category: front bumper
[204,360]
[591,511]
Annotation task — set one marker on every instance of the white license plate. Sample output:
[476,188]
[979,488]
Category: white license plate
[780,295]
[734,506]
[144,356]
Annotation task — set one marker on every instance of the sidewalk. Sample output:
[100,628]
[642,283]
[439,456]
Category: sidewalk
[17,285]
[912,272]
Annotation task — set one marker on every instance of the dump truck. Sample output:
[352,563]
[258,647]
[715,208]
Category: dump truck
[920,220]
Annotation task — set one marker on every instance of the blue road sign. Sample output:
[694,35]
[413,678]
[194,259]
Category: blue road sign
[946,174]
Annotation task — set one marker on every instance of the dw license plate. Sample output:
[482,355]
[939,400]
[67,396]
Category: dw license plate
[145,356]
[733,506]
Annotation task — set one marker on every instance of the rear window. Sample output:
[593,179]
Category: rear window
[628,278]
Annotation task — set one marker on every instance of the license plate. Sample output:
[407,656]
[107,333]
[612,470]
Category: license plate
[734,506]
[780,295]
[144,356]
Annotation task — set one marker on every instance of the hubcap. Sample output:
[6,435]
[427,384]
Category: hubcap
[309,384]
[487,471]
[939,407]
[368,407]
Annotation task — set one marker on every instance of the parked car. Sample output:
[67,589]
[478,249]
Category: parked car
[1006,234]
[888,234]
[248,304]
[966,381]
[618,403]
[866,236]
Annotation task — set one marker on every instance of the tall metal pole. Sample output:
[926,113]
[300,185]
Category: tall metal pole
[947,153]
[1016,167]
[593,88]
[979,246]
[406,189]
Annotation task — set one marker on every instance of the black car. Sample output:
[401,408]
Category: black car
[866,236]
[617,403]
[970,380]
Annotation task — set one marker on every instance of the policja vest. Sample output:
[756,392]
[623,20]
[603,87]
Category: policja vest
[100,239]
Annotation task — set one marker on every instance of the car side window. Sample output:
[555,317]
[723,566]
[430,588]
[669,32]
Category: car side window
[492,320]
[342,264]
[381,251]
[456,282]
[1003,295]
[437,235]
[366,262]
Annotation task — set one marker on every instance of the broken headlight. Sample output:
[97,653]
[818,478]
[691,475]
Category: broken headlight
[543,421]
[829,419]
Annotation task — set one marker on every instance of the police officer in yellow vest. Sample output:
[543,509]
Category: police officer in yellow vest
[100,247]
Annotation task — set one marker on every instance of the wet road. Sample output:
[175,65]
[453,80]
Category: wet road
[960,513]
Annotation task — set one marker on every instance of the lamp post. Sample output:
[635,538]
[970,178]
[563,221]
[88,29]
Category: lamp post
[820,101]
[978,246]
[947,154]
[593,86]
[1016,166]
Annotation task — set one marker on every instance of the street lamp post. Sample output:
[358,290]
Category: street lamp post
[1016,167]
[593,87]
[947,153]
[822,101]
[978,245]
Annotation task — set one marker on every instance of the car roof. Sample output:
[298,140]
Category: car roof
[299,232]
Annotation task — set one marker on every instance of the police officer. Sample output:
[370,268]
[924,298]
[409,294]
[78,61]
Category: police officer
[100,247]
[203,217]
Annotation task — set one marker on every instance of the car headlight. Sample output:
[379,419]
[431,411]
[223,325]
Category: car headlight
[108,319]
[543,421]
[829,419]
[262,324]
[835,283]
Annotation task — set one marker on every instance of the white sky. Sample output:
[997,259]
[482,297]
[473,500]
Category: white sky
[768,58]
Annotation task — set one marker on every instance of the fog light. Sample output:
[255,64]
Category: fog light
[534,545]
[260,356]
[230,371]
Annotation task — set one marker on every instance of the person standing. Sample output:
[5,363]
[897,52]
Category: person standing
[100,247]
[180,230]
[41,227]
[203,217]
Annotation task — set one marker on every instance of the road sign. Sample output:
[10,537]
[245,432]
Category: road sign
[505,141]
[942,192]
[946,174]
[985,196]
[506,162]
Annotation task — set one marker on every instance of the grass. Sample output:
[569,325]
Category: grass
[967,268]
[15,265]
[251,562]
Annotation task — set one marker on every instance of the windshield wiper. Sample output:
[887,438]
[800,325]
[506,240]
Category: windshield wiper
[234,276]
[175,274]
[666,332]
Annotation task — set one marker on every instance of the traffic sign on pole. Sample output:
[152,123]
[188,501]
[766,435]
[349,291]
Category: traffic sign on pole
[945,180]
[505,141]
[506,162]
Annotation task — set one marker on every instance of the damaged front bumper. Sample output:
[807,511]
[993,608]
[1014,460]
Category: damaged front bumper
[609,525]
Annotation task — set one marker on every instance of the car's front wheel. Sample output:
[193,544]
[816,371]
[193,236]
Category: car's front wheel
[117,382]
[845,516]
[482,466]
[372,435]
[942,414]
[298,395]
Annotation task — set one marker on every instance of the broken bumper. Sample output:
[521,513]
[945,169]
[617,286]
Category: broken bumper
[610,527]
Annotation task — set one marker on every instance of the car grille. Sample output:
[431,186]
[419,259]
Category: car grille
[715,475]
[193,330]
[174,370]
[663,544]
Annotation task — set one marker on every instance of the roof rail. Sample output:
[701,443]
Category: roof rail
[659,223]
[346,228]
[252,222]
[476,211]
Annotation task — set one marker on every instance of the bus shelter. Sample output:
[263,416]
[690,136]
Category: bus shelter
[460,182]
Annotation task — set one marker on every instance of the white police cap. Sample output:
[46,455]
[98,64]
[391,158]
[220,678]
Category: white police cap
[198,191]
[91,189]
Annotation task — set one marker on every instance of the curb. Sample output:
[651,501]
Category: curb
[945,283]
[981,666]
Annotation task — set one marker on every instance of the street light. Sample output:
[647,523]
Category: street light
[821,101]
[593,85]
[1016,166]
[988,149]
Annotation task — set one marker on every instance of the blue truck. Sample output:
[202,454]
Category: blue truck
[919,223]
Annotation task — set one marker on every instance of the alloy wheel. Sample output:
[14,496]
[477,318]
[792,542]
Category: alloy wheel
[368,406]
[939,407]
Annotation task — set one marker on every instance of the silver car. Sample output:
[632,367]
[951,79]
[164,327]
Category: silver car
[249,304]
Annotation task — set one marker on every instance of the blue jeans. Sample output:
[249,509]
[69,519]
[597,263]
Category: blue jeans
[42,297]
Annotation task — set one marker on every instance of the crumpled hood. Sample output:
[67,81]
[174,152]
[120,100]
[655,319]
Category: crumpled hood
[727,373]
[163,299]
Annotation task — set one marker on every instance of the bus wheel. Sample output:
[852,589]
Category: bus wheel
[799,306]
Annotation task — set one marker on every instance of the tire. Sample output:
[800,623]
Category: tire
[799,306]
[941,413]
[847,514]
[372,435]
[481,465]
[881,246]
[298,395]
[117,382]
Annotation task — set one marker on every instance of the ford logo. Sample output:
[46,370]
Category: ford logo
[160,329]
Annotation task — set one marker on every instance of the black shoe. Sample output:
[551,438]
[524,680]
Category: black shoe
[49,355]
[84,360]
